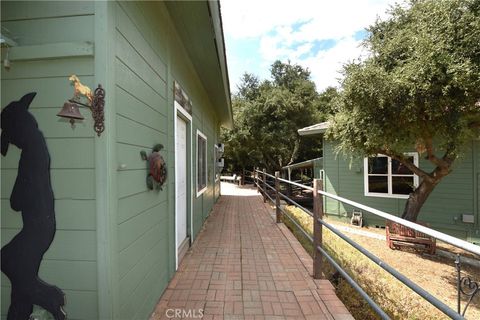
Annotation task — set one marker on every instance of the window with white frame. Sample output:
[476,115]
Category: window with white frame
[201,163]
[389,178]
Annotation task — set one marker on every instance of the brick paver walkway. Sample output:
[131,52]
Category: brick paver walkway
[245,266]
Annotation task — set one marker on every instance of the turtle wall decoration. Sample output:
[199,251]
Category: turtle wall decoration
[156,167]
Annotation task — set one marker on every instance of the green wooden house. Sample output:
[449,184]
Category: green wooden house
[379,182]
[163,67]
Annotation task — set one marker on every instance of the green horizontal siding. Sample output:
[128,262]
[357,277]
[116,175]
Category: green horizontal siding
[141,121]
[148,58]
[36,69]
[77,300]
[131,108]
[70,215]
[70,262]
[28,10]
[443,209]
[145,55]
[15,88]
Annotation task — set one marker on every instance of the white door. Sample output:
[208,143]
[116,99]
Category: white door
[181,187]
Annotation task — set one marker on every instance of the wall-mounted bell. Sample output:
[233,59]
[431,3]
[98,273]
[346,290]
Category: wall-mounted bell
[70,111]
[83,97]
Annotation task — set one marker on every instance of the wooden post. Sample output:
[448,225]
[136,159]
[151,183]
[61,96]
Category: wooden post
[242,181]
[255,178]
[264,185]
[277,197]
[317,228]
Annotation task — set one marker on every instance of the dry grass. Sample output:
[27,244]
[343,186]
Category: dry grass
[435,275]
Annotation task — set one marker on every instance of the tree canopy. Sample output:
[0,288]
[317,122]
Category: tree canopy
[419,89]
[267,115]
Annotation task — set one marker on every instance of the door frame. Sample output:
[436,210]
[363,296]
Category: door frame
[179,111]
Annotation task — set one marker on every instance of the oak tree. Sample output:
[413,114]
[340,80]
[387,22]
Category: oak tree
[418,89]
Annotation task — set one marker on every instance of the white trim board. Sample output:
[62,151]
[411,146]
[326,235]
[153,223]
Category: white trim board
[180,111]
[200,192]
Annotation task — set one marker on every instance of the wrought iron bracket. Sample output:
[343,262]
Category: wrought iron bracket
[465,286]
[97,108]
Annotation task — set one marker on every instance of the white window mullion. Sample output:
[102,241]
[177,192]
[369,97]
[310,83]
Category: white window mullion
[365,176]
[389,176]
[415,177]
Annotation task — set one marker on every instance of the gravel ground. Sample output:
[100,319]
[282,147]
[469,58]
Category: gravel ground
[435,274]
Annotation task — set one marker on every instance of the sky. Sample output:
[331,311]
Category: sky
[320,35]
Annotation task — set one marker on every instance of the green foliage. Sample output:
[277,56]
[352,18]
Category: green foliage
[327,101]
[419,89]
[421,82]
[267,116]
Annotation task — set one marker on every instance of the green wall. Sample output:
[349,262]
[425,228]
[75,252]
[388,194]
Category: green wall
[149,57]
[317,166]
[71,261]
[141,104]
[114,250]
[457,194]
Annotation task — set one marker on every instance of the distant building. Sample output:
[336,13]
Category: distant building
[382,183]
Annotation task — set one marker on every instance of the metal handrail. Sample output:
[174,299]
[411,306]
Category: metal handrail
[305,233]
[268,196]
[270,187]
[346,276]
[268,175]
[296,184]
[423,293]
[310,213]
[409,283]
[433,233]
[354,284]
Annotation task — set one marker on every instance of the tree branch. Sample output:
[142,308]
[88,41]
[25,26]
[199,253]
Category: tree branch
[449,156]
[474,124]
[431,155]
[416,170]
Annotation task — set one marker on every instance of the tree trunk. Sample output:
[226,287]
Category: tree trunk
[417,199]
[296,147]
[429,181]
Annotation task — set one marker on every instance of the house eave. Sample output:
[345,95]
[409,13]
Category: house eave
[315,129]
[199,25]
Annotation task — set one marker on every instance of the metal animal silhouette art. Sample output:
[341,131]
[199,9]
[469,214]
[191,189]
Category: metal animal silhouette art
[32,194]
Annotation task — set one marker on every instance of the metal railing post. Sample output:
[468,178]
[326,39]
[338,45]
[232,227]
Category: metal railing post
[264,185]
[319,252]
[317,228]
[277,197]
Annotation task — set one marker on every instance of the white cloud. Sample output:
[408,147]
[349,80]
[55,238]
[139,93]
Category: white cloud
[326,19]
[288,30]
[325,66]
